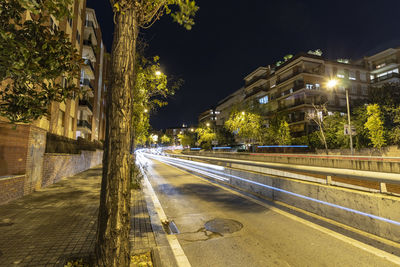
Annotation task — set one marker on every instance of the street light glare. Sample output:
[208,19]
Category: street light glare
[158,73]
[208,124]
[331,83]
[243,113]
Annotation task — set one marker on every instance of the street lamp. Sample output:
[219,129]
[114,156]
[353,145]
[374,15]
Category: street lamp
[208,124]
[158,73]
[331,84]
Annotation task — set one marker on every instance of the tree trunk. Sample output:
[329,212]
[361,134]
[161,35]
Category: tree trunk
[112,247]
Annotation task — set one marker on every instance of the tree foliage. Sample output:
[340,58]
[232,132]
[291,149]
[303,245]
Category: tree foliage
[165,139]
[187,139]
[317,116]
[33,58]
[277,132]
[152,87]
[374,125]
[246,125]
[205,136]
[148,12]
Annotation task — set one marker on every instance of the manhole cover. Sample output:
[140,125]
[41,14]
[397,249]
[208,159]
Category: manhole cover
[223,226]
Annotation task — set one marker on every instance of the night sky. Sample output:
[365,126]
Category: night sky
[230,40]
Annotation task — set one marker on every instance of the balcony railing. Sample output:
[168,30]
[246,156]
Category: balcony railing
[89,43]
[255,79]
[387,62]
[84,124]
[86,82]
[386,77]
[89,63]
[84,102]
[89,23]
[297,102]
[297,72]
[295,88]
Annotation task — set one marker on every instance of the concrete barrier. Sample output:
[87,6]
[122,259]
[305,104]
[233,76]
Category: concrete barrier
[375,164]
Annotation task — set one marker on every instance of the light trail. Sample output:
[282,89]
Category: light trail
[217,175]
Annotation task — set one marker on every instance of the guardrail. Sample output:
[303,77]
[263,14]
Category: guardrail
[380,177]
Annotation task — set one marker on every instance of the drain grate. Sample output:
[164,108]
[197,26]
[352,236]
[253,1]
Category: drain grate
[170,227]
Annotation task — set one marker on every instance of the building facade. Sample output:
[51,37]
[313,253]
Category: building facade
[292,88]
[92,81]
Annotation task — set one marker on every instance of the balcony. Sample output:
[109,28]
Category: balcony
[84,124]
[90,24]
[295,88]
[90,44]
[297,102]
[384,64]
[316,71]
[255,79]
[385,77]
[86,103]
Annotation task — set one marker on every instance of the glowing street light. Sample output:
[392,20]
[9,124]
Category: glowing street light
[208,124]
[331,84]
[158,73]
[146,110]
[243,112]
[191,129]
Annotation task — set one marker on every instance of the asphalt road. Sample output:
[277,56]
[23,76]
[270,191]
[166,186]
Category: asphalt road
[256,236]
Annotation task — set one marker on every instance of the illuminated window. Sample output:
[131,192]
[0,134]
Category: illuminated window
[352,75]
[263,100]
[340,74]
[309,86]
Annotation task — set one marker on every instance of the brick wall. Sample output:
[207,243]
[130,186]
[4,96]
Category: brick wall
[11,188]
[13,148]
[58,166]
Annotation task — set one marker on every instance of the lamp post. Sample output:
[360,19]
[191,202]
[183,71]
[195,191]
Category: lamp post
[332,84]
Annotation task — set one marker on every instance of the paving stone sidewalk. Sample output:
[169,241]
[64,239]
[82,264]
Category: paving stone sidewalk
[59,222]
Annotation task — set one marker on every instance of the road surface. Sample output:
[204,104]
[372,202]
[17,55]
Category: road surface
[221,227]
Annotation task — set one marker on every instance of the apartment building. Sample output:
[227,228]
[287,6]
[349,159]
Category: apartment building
[208,116]
[91,106]
[225,106]
[293,87]
[62,118]
[384,66]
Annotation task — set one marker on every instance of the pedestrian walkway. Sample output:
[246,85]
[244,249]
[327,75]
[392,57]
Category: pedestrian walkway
[59,222]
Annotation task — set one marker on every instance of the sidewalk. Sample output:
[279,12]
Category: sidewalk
[59,222]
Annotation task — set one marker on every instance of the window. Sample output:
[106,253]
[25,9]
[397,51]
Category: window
[61,117]
[309,86]
[340,74]
[363,76]
[263,100]
[64,82]
[78,37]
[71,123]
[317,85]
[352,75]
[364,90]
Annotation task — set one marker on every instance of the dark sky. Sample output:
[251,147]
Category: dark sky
[232,38]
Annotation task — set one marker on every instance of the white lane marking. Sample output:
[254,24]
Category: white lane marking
[377,252]
[173,241]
